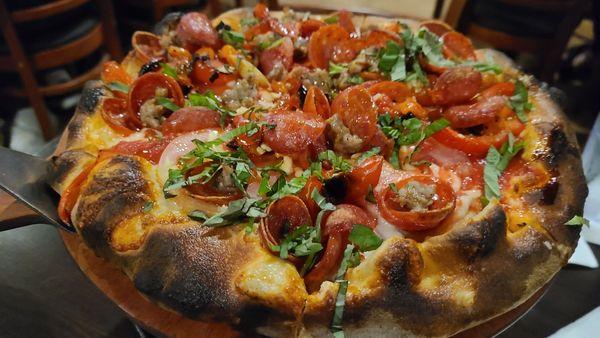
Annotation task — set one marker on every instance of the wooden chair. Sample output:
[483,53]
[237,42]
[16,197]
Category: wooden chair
[548,48]
[102,34]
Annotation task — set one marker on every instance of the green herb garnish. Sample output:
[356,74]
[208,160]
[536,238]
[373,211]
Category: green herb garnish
[338,163]
[168,70]
[302,241]
[340,299]
[332,20]
[364,238]
[578,221]
[321,201]
[211,101]
[369,153]
[118,86]
[236,39]
[495,163]
[167,103]
[520,101]
[335,69]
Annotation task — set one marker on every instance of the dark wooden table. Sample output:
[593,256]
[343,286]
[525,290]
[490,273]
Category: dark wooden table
[43,294]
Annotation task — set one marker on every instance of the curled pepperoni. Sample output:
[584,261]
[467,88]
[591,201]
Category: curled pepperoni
[306,195]
[456,86]
[260,11]
[113,72]
[195,29]
[213,191]
[328,264]
[358,112]
[457,46]
[389,95]
[436,27]
[148,149]
[147,46]
[316,103]
[345,20]
[144,88]
[292,132]
[343,219]
[281,55]
[283,216]
[379,38]
[482,112]
[309,26]
[209,74]
[190,119]
[329,43]
[362,178]
[498,89]
[114,113]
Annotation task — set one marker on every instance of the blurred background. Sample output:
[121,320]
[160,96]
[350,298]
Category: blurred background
[49,49]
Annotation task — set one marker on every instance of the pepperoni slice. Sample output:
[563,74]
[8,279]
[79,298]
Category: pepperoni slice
[458,46]
[417,220]
[212,191]
[345,20]
[292,132]
[114,113]
[281,55]
[150,150]
[455,86]
[358,112]
[283,216]
[316,103]
[147,46]
[329,43]
[498,89]
[481,112]
[309,26]
[389,95]
[379,38]
[343,219]
[306,195]
[436,27]
[196,30]
[363,178]
[191,119]
[144,88]
[328,264]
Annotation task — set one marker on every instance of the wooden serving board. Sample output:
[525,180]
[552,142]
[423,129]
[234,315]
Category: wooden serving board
[161,322]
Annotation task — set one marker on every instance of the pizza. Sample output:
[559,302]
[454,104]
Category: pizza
[310,175]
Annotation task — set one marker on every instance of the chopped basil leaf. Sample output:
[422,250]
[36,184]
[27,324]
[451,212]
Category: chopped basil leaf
[355,79]
[250,225]
[236,39]
[293,186]
[389,56]
[168,70]
[370,196]
[337,162]
[198,215]
[148,206]
[495,163]
[302,241]
[321,201]
[393,188]
[235,212]
[335,69]
[431,46]
[332,19]
[263,189]
[167,103]
[487,67]
[340,299]
[368,153]
[578,221]
[520,101]
[210,101]
[398,72]
[364,238]
[118,86]
[274,44]
[409,131]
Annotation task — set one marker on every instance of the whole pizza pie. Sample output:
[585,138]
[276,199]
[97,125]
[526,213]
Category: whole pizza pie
[305,175]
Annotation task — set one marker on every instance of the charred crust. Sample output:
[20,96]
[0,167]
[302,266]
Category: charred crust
[116,191]
[557,147]
[481,236]
[60,166]
[402,265]
[90,97]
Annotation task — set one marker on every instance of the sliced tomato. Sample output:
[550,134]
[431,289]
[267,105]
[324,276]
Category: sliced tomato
[306,195]
[281,55]
[191,119]
[328,264]
[417,220]
[457,46]
[114,113]
[389,95]
[316,103]
[69,196]
[309,26]
[144,88]
[329,43]
[148,149]
[147,46]
[358,112]
[436,27]
[498,89]
[292,132]
[481,112]
[195,29]
[455,86]
[343,219]
[208,74]
[283,216]
[113,72]
[212,191]
[363,178]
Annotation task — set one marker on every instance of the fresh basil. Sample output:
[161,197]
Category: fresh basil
[167,103]
[335,69]
[487,68]
[236,39]
[147,206]
[211,101]
[520,101]
[578,221]
[496,162]
[321,201]
[168,70]
[369,153]
[118,86]
[340,299]
[431,46]
[364,238]
[249,21]
[236,211]
[302,241]
[338,163]
[332,19]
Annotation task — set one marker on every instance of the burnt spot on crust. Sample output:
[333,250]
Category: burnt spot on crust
[480,236]
[168,22]
[402,265]
[90,96]
[116,191]
[557,145]
[60,166]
